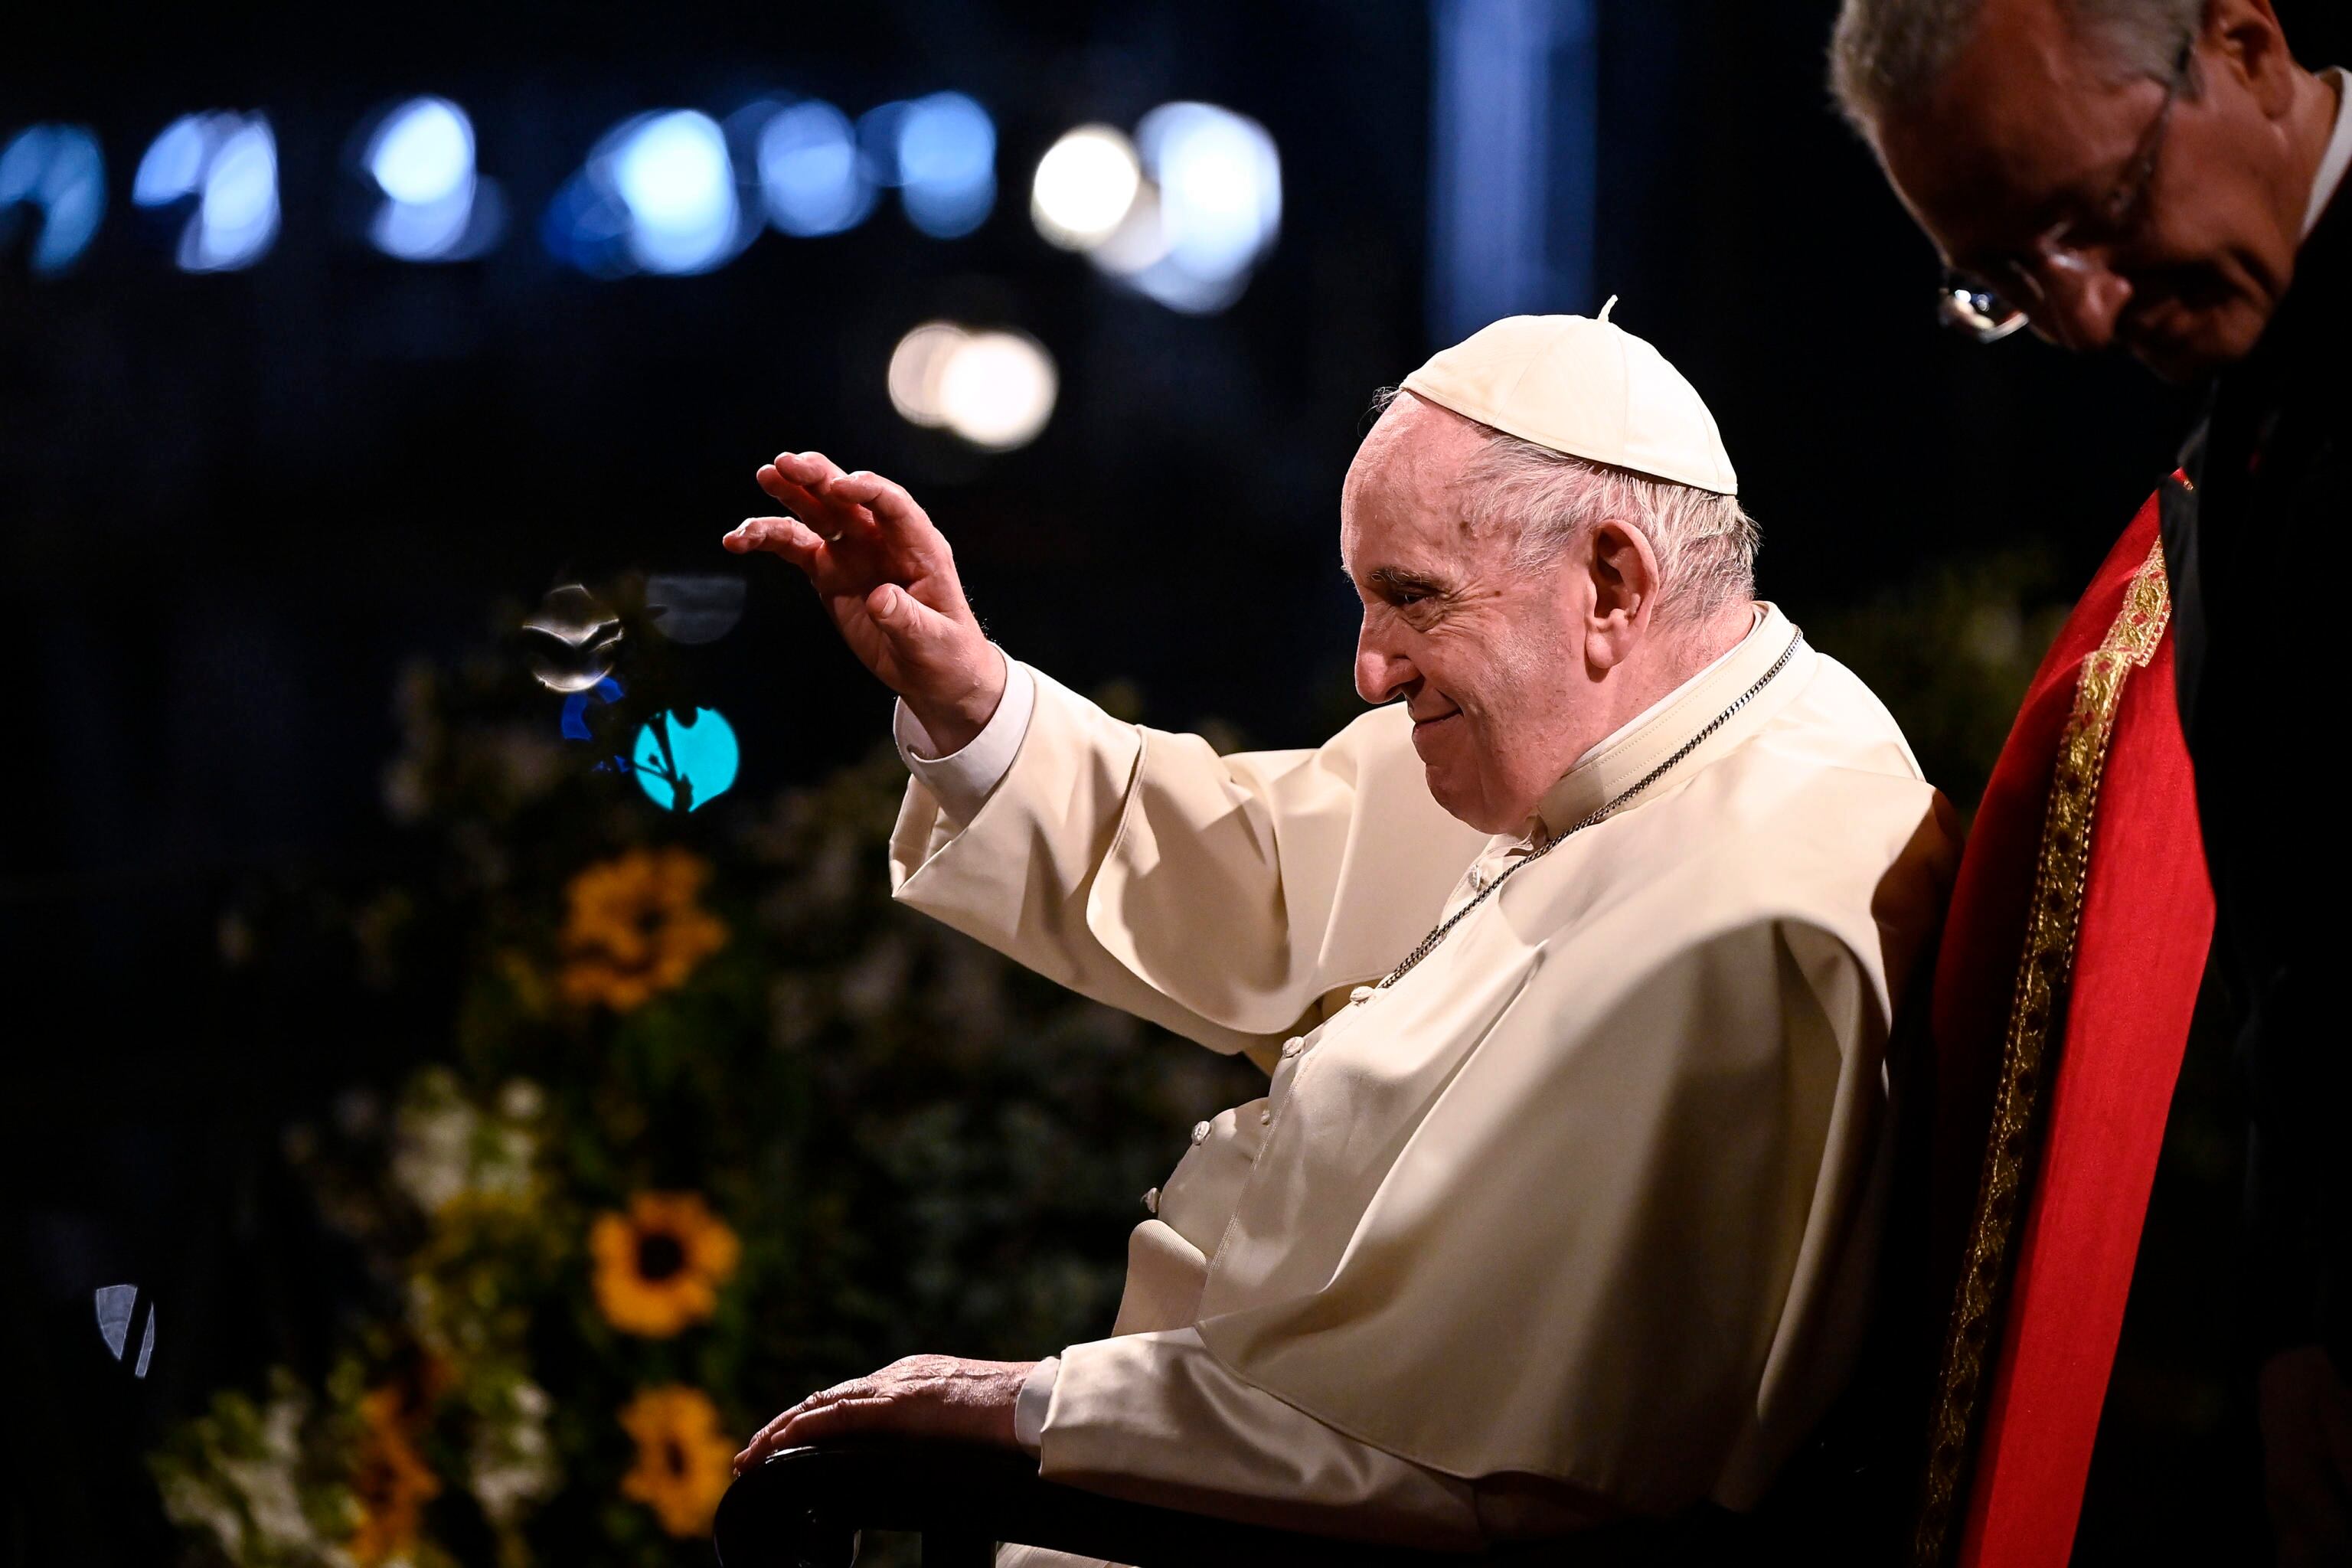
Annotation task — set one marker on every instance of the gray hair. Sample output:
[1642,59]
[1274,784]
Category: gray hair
[1885,52]
[1705,541]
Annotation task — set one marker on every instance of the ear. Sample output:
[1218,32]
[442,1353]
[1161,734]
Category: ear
[1622,572]
[2246,36]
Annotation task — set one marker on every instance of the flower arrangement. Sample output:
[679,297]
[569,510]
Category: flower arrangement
[694,1120]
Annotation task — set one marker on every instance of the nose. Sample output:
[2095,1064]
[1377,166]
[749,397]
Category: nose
[2085,300]
[1382,671]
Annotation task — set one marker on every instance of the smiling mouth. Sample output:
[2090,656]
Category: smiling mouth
[1422,727]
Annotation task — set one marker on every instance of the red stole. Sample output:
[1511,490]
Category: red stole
[2068,970]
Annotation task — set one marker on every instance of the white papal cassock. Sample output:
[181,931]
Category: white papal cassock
[1579,1216]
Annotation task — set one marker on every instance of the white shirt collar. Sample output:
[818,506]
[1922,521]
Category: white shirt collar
[2338,156]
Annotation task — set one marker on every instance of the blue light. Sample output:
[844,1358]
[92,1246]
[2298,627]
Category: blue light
[421,156]
[1220,205]
[946,164]
[229,163]
[423,153]
[174,164]
[657,194]
[810,173]
[118,1313]
[429,231]
[878,141]
[672,171]
[587,227]
[1513,166]
[237,217]
[58,170]
[575,708]
[698,764]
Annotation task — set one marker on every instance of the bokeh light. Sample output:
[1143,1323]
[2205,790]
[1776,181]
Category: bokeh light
[174,164]
[694,608]
[435,207]
[686,759]
[229,163]
[997,390]
[574,722]
[946,164]
[423,153]
[1086,185]
[1183,214]
[915,367]
[56,174]
[673,172]
[238,219]
[810,178]
[994,389]
[657,194]
[124,1310]
[1220,186]
[574,639]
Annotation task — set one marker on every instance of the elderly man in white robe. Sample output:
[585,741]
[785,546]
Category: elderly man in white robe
[1572,962]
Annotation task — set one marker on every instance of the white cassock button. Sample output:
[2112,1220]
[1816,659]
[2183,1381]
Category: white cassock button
[1291,1047]
[1363,993]
[1266,1117]
[1151,1202]
[1199,1132]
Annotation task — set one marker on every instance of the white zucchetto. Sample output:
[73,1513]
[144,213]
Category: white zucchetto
[1582,386]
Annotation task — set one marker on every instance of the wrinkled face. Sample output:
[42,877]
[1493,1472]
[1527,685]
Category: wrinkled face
[2111,219]
[1486,657]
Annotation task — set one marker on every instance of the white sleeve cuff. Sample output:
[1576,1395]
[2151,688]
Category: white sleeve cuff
[962,781]
[1029,1409]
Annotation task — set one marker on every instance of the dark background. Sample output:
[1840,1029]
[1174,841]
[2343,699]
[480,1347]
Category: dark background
[232,506]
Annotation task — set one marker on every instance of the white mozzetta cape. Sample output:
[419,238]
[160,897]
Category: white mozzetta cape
[1591,1195]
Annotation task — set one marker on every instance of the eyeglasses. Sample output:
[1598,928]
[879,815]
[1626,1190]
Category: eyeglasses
[1989,311]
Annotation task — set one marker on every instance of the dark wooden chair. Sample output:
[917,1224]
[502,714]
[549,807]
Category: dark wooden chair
[1844,1502]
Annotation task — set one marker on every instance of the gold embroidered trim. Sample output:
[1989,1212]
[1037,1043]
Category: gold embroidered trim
[2037,1010]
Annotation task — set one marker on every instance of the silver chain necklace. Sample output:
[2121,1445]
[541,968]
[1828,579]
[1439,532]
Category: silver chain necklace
[1602,814]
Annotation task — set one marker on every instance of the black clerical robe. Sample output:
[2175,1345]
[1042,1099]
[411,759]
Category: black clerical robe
[2252,541]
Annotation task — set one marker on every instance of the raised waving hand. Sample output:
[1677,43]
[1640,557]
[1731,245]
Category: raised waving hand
[886,576]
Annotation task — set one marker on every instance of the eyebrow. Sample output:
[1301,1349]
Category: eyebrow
[1402,579]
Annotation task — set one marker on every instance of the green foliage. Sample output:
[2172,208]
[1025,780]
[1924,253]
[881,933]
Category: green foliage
[1950,653]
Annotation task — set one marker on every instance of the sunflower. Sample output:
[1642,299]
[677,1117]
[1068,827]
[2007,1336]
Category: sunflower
[684,1461]
[659,1266]
[634,928]
[390,1482]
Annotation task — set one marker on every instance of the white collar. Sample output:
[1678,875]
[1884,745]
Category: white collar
[2338,156]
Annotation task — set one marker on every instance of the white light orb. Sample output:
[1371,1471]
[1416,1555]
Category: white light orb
[997,390]
[423,153]
[1086,185]
[916,367]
